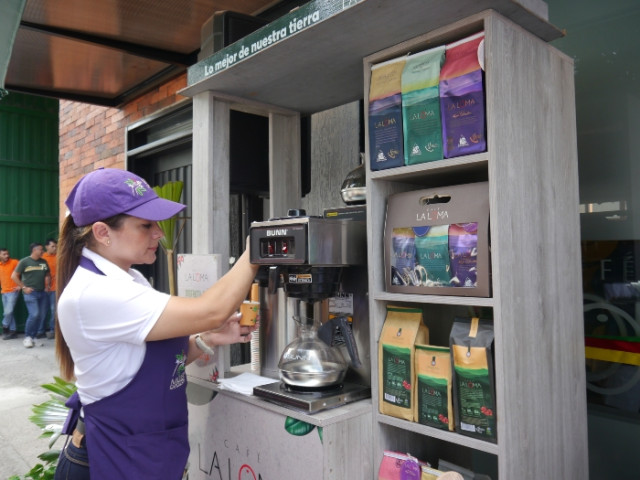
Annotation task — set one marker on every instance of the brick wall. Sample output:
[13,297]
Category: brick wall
[92,136]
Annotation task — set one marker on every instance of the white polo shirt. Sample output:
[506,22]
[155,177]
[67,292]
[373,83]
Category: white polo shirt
[104,320]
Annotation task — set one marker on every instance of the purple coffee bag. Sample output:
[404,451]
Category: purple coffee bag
[462,98]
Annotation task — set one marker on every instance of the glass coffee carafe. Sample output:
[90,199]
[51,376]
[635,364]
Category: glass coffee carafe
[308,362]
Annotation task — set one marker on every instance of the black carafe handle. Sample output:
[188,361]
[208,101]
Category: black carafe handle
[327,331]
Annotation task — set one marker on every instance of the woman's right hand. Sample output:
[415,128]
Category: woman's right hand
[230,332]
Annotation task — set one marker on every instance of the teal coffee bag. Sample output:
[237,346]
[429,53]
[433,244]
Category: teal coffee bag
[421,106]
[432,252]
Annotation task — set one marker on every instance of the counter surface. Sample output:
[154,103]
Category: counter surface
[319,419]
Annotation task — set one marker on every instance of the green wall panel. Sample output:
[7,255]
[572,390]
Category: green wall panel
[28,175]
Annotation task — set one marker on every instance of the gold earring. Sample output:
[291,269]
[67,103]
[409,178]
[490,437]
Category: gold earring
[108,242]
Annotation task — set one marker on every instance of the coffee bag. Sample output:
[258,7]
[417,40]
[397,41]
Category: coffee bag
[471,341]
[421,106]
[402,329]
[385,115]
[463,254]
[433,402]
[432,253]
[462,98]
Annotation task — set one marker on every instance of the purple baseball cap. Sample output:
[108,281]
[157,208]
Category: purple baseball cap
[107,192]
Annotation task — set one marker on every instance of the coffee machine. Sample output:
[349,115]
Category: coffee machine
[312,268]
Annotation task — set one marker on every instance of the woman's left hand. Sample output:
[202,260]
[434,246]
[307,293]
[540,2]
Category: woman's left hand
[230,332]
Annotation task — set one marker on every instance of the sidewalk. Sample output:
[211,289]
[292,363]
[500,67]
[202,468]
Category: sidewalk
[21,374]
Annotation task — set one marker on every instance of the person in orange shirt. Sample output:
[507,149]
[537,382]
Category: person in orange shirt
[10,292]
[51,247]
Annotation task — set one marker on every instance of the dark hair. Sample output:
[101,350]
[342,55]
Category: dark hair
[51,240]
[72,240]
[34,245]
[4,249]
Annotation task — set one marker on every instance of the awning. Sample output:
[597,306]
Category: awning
[10,15]
[107,52]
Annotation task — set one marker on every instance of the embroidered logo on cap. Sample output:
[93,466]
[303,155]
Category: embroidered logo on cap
[137,187]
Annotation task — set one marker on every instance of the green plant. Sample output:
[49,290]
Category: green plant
[50,417]
[170,191]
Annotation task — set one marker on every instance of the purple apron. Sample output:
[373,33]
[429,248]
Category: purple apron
[141,431]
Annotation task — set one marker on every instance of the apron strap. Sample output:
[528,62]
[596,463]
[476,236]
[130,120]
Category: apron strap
[89,265]
[74,414]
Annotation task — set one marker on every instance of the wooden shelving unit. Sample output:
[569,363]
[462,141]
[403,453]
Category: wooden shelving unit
[531,167]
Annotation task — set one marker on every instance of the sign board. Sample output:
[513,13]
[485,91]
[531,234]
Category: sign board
[196,273]
[284,27]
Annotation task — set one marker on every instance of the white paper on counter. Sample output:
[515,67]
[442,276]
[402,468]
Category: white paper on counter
[244,383]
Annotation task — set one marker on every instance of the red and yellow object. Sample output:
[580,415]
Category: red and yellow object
[613,349]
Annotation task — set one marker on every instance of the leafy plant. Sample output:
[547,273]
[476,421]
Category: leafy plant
[50,417]
[170,191]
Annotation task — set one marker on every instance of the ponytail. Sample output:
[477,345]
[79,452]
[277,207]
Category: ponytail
[70,244]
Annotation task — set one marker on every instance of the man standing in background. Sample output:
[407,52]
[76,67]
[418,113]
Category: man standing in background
[49,255]
[32,275]
[10,292]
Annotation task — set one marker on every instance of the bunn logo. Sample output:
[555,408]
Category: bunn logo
[276,232]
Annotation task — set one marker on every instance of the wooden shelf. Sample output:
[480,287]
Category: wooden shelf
[434,299]
[472,163]
[444,435]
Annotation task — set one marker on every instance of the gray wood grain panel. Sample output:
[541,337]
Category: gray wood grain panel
[211,175]
[346,454]
[284,163]
[210,211]
[334,153]
[536,256]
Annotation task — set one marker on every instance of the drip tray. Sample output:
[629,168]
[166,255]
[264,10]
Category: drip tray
[312,400]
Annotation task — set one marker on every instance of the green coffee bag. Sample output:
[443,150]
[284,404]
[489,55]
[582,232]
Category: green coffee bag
[474,402]
[433,387]
[402,329]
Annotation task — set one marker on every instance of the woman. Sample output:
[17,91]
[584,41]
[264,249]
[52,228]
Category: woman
[125,343]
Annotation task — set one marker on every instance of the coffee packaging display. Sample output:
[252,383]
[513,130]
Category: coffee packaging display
[385,115]
[462,97]
[471,341]
[434,405]
[402,329]
[421,123]
[436,241]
